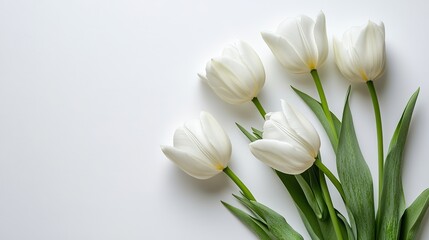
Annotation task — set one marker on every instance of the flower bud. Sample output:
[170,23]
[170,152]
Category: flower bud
[290,143]
[361,54]
[300,44]
[201,147]
[237,76]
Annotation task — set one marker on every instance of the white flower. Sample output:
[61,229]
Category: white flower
[238,75]
[290,143]
[201,147]
[361,55]
[300,44]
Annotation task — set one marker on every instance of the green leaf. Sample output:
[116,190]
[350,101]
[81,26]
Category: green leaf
[413,216]
[346,230]
[249,221]
[356,178]
[313,173]
[246,133]
[317,228]
[307,215]
[317,109]
[392,204]
[275,223]
[257,133]
[309,195]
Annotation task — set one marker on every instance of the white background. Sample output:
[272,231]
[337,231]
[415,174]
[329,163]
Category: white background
[90,89]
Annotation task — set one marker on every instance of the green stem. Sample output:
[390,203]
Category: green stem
[330,206]
[331,177]
[258,105]
[377,113]
[239,183]
[324,102]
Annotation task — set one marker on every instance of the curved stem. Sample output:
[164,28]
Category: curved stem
[377,113]
[258,105]
[324,102]
[331,177]
[239,183]
[330,206]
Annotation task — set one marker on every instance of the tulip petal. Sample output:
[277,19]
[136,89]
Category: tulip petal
[308,135]
[281,156]
[299,32]
[371,47]
[244,53]
[277,127]
[192,139]
[360,55]
[217,137]
[286,53]
[234,76]
[321,39]
[274,127]
[189,163]
[224,88]
[347,59]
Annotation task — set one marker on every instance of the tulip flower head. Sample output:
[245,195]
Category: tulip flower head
[290,143]
[238,75]
[201,147]
[300,44]
[361,54]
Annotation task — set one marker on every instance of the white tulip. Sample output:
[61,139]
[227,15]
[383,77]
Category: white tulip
[361,55]
[290,143]
[299,44]
[201,147]
[238,75]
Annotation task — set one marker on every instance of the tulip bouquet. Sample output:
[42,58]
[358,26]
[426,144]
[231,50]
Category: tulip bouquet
[289,144]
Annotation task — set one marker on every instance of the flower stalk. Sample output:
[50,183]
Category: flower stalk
[324,102]
[239,183]
[377,113]
[331,176]
[330,206]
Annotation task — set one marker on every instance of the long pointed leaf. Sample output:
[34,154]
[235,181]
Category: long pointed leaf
[413,216]
[246,133]
[311,198]
[317,109]
[258,133]
[307,215]
[250,222]
[276,224]
[356,178]
[392,204]
[347,231]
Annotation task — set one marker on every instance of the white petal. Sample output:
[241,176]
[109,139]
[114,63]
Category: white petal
[303,128]
[273,127]
[182,141]
[190,164]
[299,32]
[285,53]
[224,84]
[217,137]
[251,60]
[346,59]
[281,156]
[321,39]
[371,46]
[235,76]
[191,139]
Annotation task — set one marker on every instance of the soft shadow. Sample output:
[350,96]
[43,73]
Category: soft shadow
[212,101]
[211,186]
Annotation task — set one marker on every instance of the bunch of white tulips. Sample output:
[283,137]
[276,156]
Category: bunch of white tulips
[290,144]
